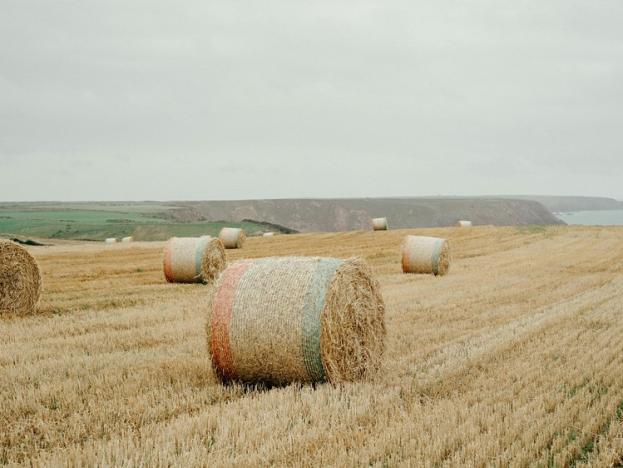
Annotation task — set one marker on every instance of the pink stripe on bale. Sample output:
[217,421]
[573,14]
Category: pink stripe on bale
[168,272]
[220,347]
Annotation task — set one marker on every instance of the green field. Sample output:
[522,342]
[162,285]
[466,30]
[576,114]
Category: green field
[99,221]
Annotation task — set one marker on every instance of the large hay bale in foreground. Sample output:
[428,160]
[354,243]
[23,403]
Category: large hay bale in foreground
[127,239]
[463,223]
[232,238]
[296,319]
[110,240]
[380,224]
[193,259]
[20,279]
[421,254]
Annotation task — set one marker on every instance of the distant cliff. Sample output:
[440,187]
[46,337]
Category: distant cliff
[560,204]
[309,215]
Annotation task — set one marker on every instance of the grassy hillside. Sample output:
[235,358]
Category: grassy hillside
[515,358]
[98,221]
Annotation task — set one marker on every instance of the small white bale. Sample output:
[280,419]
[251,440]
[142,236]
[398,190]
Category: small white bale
[380,224]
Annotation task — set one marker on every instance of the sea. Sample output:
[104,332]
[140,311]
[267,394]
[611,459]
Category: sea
[595,218]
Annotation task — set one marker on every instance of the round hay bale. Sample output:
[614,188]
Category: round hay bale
[111,240]
[380,224]
[232,238]
[20,280]
[193,259]
[127,239]
[296,319]
[464,223]
[421,254]
[268,234]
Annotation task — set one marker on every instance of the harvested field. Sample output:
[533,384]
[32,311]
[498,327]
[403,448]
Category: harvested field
[514,358]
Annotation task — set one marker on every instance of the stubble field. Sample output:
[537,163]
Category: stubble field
[515,358]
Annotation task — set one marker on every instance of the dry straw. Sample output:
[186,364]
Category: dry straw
[127,239]
[268,234]
[111,240]
[380,224]
[193,259]
[464,223]
[232,238]
[20,280]
[422,254]
[296,319]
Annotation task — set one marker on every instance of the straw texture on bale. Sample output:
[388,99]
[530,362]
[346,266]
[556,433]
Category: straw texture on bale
[232,238]
[421,254]
[127,239]
[380,224]
[20,280]
[193,259]
[296,319]
[464,223]
[111,240]
[268,234]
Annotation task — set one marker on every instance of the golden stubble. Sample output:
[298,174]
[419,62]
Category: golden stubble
[514,358]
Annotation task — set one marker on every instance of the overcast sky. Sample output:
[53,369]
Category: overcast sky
[124,100]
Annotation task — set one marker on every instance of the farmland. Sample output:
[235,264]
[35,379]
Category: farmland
[97,221]
[514,358]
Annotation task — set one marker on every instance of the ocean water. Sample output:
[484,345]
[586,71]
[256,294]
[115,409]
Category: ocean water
[597,218]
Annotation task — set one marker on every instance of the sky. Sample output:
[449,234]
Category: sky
[233,99]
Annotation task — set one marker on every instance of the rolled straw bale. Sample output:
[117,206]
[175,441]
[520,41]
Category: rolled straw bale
[421,254]
[380,224]
[193,259]
[20,279]
[232,238]
[268,234]
[127,239]
[296,319]
[464,223]
[111,240]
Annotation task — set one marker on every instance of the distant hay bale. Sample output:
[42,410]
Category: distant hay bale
[111,240]
[296,319]
[268,234]
[464,223]
[422,254]
[20,279]
[193,259]
[127,239]
[380,224]
[232,238]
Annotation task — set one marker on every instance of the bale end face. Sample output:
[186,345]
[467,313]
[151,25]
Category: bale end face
[296,319]
[353,324]
[20,280]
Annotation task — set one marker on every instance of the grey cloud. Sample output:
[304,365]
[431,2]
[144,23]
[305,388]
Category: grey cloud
[324,98]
